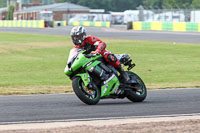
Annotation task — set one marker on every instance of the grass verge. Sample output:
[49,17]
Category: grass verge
[34,64]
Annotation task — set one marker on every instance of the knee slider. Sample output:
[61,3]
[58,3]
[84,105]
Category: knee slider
[112,58]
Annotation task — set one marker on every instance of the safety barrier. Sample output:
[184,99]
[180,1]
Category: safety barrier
[22,23]
[88,23]
[167,26]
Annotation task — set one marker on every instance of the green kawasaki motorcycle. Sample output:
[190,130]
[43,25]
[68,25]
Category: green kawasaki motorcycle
[93,79]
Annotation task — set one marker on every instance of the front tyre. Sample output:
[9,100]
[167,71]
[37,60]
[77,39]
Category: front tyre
[140,93]
[88,96]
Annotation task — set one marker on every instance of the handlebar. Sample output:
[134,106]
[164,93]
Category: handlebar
[90,55]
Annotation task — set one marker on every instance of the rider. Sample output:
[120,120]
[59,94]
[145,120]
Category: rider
[80,40]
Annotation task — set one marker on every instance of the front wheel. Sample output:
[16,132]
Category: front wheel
[88,96]
[140,93]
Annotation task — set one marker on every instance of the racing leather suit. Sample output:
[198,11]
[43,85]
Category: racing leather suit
[94,43]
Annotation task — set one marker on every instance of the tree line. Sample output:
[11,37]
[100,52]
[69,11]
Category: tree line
[121,5]
[3,3]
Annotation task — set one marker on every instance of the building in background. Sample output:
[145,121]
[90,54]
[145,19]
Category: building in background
[57,12]
[22,4]
[47,10]
[3,13]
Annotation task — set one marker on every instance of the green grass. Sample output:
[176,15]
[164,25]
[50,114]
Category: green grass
[26,66]
[165,63]
[12,38]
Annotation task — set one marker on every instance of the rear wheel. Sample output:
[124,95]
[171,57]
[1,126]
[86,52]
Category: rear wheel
[139,93]
[88,96]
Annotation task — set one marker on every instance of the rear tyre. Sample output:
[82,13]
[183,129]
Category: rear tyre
[88,96]
[140,93]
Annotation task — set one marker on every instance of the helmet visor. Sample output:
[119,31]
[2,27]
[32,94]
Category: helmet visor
[76,37]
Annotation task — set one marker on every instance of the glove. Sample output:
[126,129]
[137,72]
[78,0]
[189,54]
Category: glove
[96,52]
[93,54]
[90,55]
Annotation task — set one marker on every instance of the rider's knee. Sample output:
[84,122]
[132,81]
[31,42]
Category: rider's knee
[112,58]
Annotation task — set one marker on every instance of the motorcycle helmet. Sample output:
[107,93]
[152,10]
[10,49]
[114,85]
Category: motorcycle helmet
[78,35]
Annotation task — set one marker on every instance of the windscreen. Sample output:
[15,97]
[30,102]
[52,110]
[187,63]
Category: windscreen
[73,53]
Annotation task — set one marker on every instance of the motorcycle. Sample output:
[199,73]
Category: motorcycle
[94,79]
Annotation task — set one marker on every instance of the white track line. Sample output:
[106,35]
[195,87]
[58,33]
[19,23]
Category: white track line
[104,118]
[100,122]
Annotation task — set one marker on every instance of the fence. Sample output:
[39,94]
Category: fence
[167,26]
[43,24]
[169,14]
[88,23]
[22,23]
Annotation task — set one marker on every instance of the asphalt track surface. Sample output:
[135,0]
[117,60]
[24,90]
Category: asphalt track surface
[67,107]
[118,33]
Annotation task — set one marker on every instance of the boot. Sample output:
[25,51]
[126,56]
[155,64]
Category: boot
[124,75]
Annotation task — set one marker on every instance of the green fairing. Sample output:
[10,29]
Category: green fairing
[80,61]
[92,65]
[67,71]
[111,87]
[84,77]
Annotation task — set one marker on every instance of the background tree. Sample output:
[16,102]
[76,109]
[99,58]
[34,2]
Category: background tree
[108,5]
[3,3]
[196,4]
[177,3]
[10,12]
[122,5]
[153,4]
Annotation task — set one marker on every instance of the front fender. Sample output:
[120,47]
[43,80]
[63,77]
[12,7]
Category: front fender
[84,77]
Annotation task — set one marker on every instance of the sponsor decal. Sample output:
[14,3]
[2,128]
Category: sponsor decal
[116,89]
[88,64]
[91,69]
[105,82]
[106,89]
